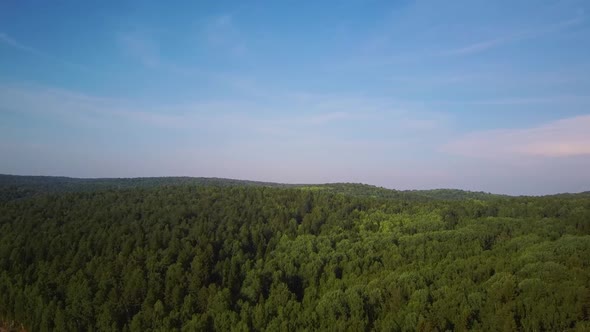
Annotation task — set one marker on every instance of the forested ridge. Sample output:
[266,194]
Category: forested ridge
[17,187]
[257,256]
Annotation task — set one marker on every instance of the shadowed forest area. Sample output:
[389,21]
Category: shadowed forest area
[190,254]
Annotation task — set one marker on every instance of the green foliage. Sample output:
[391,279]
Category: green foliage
[13,187]
[233,257]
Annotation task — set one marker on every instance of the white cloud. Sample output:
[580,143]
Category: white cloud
[563,138]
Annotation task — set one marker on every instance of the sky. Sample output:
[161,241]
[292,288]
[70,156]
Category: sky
[412,94]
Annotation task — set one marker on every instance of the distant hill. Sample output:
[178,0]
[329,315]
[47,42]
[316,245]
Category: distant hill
[570,195]
[60,183]
[17,186]
[358,189]
[455,194]
[365,190]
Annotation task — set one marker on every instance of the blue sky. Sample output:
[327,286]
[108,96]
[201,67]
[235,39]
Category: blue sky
[470,94]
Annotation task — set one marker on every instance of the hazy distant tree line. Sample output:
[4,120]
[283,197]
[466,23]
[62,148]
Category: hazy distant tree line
[279,259]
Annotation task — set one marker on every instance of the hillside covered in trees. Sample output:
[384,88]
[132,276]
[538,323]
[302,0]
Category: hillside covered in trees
[15,187]
[192,254]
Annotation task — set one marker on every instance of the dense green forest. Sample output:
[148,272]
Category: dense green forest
[198,254]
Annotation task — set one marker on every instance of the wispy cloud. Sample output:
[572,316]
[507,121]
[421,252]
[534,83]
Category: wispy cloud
[218,35]
[139,45]
[87,110]
[222,32]
[478,46]
[487,44]
[310,141]
[7,40]
[288,113]
[142,46]
[556,99]
[435,80]
[563,138]
[329,117]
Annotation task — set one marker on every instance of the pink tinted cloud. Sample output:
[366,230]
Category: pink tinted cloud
[562,138]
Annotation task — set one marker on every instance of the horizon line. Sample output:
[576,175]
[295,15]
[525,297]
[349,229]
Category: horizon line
[288,183]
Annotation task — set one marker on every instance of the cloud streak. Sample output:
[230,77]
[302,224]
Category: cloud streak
[287,110]
[485,45]
[7,40]
[535,100]
[13,43]
[478,47]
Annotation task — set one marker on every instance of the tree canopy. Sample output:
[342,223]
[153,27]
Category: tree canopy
[261,257]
